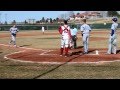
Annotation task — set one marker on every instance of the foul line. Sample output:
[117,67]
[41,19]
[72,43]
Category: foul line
[23,47]
[47,51]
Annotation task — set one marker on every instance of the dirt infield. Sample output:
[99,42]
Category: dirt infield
[53,57]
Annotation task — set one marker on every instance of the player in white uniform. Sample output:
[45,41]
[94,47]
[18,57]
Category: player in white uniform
[43,29]
[113,36]
[85,31]
[13,30]
[65,37]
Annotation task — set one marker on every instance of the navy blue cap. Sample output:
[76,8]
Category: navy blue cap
[114,19]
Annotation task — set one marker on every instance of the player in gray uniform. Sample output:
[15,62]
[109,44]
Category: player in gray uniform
[13,30]
[85,31]
[112,48]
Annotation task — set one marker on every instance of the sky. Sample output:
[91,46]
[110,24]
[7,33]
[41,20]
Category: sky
[20,16]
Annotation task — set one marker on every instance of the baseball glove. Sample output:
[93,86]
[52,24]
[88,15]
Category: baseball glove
[81,34]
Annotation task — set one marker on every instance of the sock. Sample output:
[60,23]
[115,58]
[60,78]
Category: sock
[61,51]
[66,50]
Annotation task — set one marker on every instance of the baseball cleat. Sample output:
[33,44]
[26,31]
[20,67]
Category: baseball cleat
[85,53]
[66,55]
[61,55]
[107,53]
[15,46]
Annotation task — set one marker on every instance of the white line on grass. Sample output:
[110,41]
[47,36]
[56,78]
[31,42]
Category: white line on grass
[26,48]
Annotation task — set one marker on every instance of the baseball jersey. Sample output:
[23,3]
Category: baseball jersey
[113,28]
[85,29]
[73,31]
[65,32]
[42,28]
[13,30]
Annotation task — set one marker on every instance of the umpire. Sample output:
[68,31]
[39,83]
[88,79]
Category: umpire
[74,36]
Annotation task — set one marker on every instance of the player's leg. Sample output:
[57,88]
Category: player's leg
[110,46]
[62,47]
[85,43]
[14,40]
[66,47]
[114,46]
[43,31]
[70,45]
[74,41]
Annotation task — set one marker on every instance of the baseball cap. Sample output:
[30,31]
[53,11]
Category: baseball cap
[114,19]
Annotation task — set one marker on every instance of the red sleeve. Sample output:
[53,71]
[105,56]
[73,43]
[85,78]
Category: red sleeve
[60,30]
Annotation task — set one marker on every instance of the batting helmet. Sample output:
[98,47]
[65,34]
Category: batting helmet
[114,19]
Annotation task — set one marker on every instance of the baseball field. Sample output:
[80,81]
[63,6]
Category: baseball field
[37,57]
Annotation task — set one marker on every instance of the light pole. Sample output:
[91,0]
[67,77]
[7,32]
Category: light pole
[6,18]
[0,17]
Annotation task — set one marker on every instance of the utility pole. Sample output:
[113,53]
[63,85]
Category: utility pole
[6,18]
[0,17]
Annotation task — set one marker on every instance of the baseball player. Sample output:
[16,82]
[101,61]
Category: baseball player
[74,36]
[43,29]
[65,37]
[13,30]
[85,31]
[112,48]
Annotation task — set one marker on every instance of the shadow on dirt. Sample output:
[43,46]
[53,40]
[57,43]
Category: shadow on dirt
[118,51]
[43,74]
[25,45]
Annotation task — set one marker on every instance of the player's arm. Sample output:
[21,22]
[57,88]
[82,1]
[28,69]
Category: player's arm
[17,30]
[60,30]
[10,30]
[69,33]
[112,30]
[81,29]
[89,28]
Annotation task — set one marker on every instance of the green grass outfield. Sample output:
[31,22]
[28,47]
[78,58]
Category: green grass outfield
[18,70]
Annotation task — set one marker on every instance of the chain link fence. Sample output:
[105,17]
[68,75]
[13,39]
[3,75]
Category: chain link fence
[54,26]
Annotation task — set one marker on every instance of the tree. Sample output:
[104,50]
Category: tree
[6,22]
[70,13]
[26,22]
[40,21]
[78,13]
[57,19]
[62,16]
[113,13]
[51,20]
[37,21]
[43,19]
[14,22]
[46,21]
[54,20]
